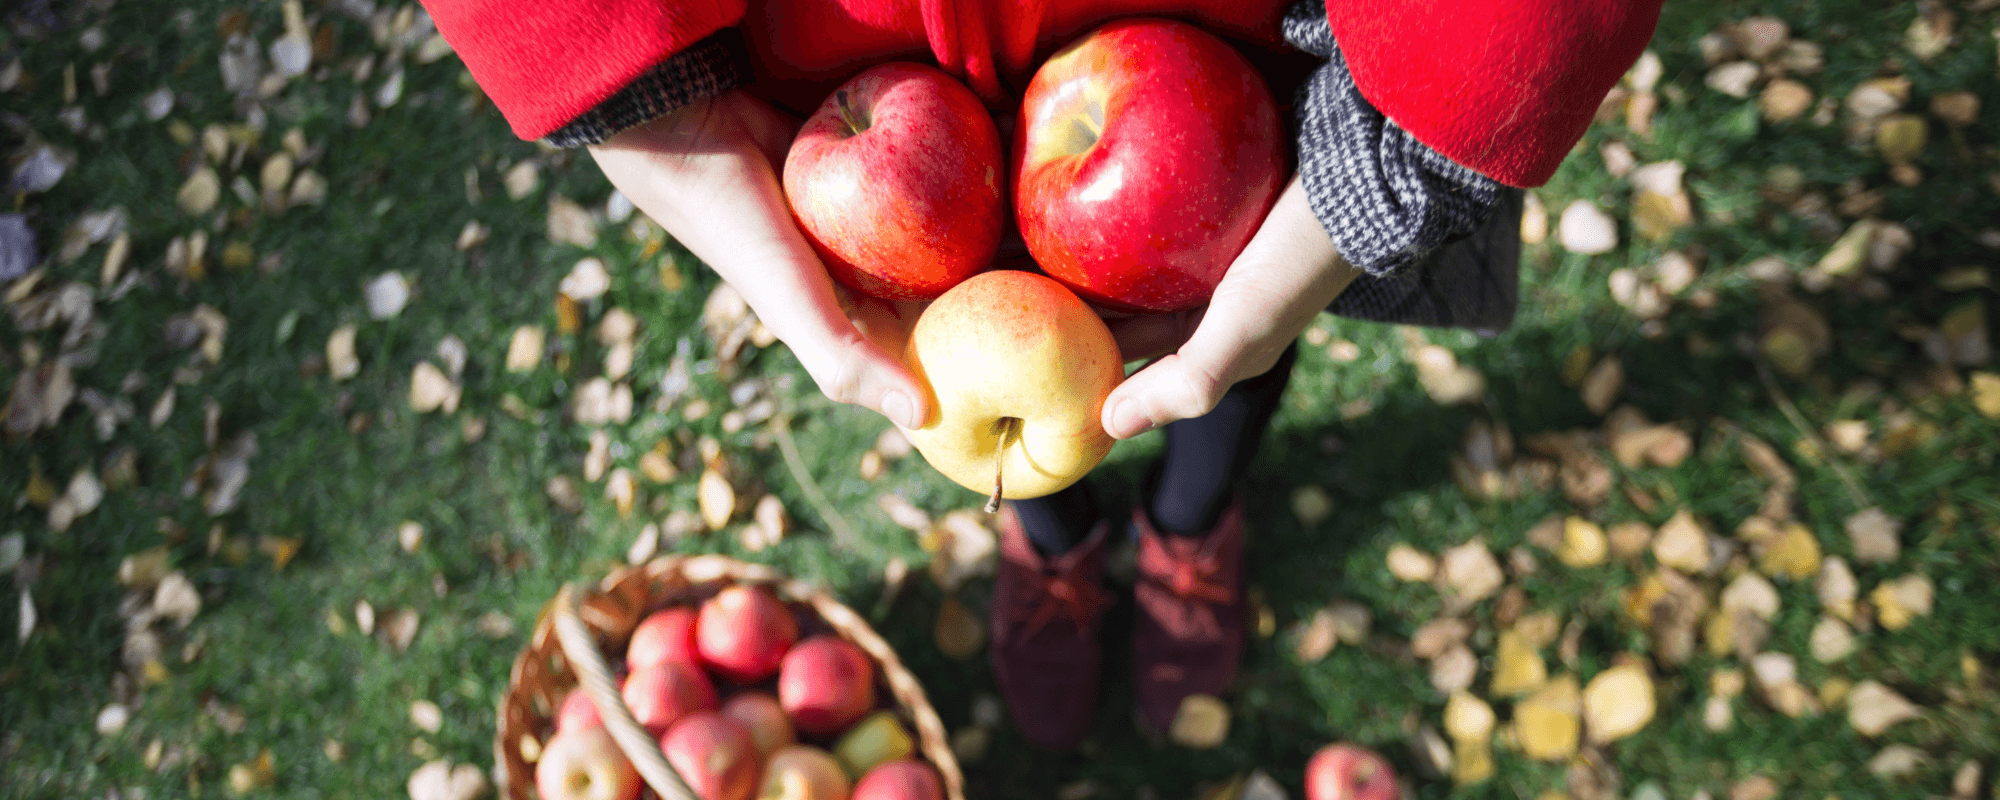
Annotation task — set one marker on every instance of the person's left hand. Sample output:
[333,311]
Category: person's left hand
[1284,277]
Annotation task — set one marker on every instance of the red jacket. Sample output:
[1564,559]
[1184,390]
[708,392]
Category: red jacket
[1505,87]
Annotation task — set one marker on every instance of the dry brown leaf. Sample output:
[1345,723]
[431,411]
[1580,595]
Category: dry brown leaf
[1468,574]
[962,547]
[431,390]
[570,223]
[1761,37]
[1784,100]
[1630,539]
[563,492]
[387,295]
[1660,205]
[903,513]
[1831,640]
[1752,594]
[1315,637]
[522,179]
[1837,589]
[1986,394]
[441,780]
[959,632]
[1961,337]
[1873,708]
[1534,220]
[1876,536]
[342,362]
[1436,636]
[1410,564]
[1454,670]
[399,628]
[1682,544]
[1734,78]
[1468,719]
[588,280]
[1617,703]
[623,491]
[1444,379]
[201,191]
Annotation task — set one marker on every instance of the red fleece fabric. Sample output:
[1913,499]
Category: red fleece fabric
[1504,87]
[543,62]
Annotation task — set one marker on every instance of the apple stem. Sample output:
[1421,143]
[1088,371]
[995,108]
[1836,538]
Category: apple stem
[1007,427]
[855,124]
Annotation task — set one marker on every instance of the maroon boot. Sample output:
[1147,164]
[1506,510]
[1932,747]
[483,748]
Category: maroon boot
[1188,635]
[1046,617]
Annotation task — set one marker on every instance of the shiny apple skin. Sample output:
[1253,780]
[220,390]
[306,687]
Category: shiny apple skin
[1190,158]
[913,204]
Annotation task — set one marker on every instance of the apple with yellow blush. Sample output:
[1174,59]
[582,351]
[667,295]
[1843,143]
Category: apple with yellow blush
[1018,368]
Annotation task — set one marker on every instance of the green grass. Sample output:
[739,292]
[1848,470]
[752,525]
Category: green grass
[262,646]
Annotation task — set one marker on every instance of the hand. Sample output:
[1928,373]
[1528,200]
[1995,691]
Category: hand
[708,173]
[1284,277]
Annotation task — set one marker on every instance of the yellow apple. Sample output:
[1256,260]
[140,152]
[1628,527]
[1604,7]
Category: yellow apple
[1018,368]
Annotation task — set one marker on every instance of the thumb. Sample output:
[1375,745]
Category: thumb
[850,368]
[1173,388]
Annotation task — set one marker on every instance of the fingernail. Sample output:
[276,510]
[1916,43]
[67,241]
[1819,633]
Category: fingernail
[1128,421]
[898,407]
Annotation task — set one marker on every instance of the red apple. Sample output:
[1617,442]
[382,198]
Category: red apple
[713,754]
[825,684]
[661,695]
[585,764]
[896,181]
[902,779]
[760,713]
[1350,772]
[1147,154]
[665,635]
[743,633]
[802,772]
[578,711]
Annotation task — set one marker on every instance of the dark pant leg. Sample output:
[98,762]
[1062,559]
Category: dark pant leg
[1206,455]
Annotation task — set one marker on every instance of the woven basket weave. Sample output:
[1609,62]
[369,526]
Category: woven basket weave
[577,627]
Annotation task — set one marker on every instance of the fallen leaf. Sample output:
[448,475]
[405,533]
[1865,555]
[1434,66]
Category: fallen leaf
[1965,782]
[201,191]
[1630,539]
[1899,138]
[342,362]
[426,716]
[1314,637]
[1660,205]
[1468,719]
[959,632]
[1410,564]
[1831,640]
[570,223]
[586,281]
[258,774]
[1584,543]
[522,179]
[1899,602]
[1986,394]
[1311,505]
[901,512]
[1897,761]
[1432,753]
[1469,573]
[441,780]
[1548,723]
[399,628]
[1717,714]
[1432,638]
[1752,594]
[1876,536]
[1534,220]
[623,492]
[1617,703]
[431,390]
[1517,668]
[1836,588]
[176,599]
[387,294]
[716,498]
[410,536]
[1454,670]
[1201,723]
[1444,379]
[1873,708]
[1585,228]
[1792,555]
[962,547]
[1784,100]
[524,350]
[562,492]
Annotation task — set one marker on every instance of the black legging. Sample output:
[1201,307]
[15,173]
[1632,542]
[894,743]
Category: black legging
[1195,478]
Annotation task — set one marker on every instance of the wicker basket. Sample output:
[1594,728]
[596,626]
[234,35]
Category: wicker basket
[577,627]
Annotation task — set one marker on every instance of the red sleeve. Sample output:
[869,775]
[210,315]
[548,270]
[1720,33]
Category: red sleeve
[1505,87]
[546,61]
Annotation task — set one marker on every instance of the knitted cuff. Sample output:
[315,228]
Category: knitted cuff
[710,67]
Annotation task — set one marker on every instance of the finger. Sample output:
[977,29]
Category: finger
[1286,274]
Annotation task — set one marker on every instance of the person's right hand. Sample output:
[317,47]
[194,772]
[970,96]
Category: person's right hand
[708,173]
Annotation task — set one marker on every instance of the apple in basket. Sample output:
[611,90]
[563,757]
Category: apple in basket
[578,711]
[584,764]
[659,696]
[665,635]
[825,684]
[760,713]
[902,779]
[743,633]
[1349,772]
[802,772]
[713,754]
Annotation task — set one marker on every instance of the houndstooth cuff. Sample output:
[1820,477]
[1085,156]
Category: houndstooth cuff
[1392,204]
[712,66]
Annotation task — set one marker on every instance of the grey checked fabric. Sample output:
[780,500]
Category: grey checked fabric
[1392,204]
[712,66]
